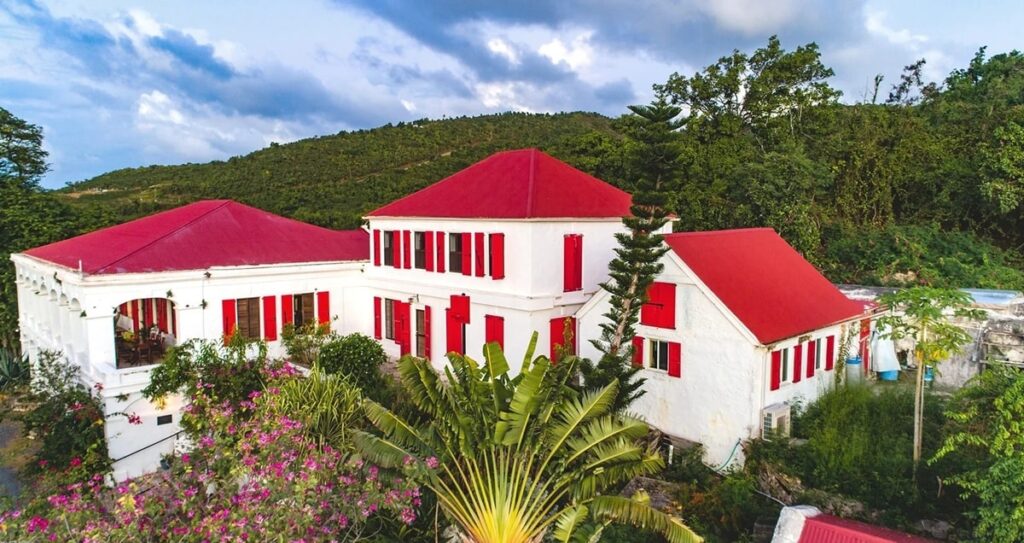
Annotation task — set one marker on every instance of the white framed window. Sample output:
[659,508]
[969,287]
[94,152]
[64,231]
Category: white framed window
[658,359]
[785,365]
[819,353]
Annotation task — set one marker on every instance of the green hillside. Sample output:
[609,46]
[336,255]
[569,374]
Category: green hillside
[333,180]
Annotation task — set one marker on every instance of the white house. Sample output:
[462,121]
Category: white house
[516,243]
[737,328]
[513,244]
[114,299]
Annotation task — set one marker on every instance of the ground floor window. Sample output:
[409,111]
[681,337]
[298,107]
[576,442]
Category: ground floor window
[785,365]
[389,319]
[659,355]
[302,309]
[248,313]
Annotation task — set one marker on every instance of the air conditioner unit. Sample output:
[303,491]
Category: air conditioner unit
[775,421]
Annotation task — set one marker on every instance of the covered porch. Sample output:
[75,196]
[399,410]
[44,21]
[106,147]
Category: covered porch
[144,328]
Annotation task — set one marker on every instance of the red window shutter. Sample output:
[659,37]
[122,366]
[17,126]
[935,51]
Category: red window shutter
[426,332]
[649,311]
[830,353]
[270,318]
[323,307]
[467,250]
[572,266]
[776,378]
[668,305]
[123,309]
[376,317]
[478,252]
[494,330]
[137,315]
[568,263]
[798,352]
[865,344]
[287,313]
[228,316]
[498,256]
[660,309]
[402,327]
[453,329]
[147,311]
[675,359]
[812,357]
[459,304]
[428,250]
[638,351]
[396,249]
[558,334]
[440,252]
[161,314]
[406,249]
[376,247]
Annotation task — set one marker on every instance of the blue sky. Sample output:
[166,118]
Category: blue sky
[118,83]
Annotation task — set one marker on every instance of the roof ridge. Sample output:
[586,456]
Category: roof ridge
[720,232]
[529,185]
[174,231]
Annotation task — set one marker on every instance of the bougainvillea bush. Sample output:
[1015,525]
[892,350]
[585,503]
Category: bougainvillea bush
[248,478]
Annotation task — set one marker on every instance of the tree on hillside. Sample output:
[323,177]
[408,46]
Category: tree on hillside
[923,314]
[28,216]
[519,459]
[656,151]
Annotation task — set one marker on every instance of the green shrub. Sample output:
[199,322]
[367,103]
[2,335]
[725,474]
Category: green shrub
[303,343]
[327,406]
[14,370]
[356,357]
[67,422]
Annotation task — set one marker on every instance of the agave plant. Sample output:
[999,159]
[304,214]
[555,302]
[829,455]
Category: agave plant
[14,369]
[327,406]
[518,459]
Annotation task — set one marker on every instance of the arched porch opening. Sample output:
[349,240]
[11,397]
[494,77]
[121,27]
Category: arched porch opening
[144,329]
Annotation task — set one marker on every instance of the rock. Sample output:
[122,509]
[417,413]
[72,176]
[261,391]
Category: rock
[937,529]
[783,487]
[660,492]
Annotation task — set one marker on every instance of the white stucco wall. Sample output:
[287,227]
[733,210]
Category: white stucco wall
[725,372]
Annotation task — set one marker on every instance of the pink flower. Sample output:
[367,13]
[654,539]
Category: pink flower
[37,524]
[432,462]
[75,462]
[134,419]
[98,387]
[185,458]
[77,406]
[408,516]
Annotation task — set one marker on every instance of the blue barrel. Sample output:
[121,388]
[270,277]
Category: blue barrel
[853,372]
[891,375]
[929,374]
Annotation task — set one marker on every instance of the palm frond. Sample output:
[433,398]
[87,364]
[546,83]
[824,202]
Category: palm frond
[515,422]
[568,522]
[378,450]
[636,513]
[574,412]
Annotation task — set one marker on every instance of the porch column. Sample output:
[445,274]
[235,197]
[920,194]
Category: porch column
[99,339]
[191,323]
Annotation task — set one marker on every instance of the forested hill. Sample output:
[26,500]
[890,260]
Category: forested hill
[333,180]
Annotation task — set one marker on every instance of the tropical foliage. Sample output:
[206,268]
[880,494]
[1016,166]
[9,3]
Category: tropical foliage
[986,438]
[519,458]
[358,359]
[248,478]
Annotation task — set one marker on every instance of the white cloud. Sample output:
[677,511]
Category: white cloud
[501,47]
[578,54]
[751,17]
[202,134]
[874,22]
[408,105]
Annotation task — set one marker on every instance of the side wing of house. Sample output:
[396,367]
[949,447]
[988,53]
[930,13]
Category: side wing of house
[701,366]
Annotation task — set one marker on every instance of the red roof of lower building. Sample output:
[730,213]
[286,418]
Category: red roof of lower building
[201,235]
[830,529]
[521,184]
[764,281]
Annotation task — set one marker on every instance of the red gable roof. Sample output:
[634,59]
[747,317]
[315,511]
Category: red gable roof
[202,235]
[770,288]
[522,184]
[830,529]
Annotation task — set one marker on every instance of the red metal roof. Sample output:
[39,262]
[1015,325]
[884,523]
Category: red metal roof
[771,289]
[830,529]
[202,235]
[521,184]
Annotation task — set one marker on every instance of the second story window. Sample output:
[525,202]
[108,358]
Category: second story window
[455,252]
[785,365]
[388,247]
[420,251]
